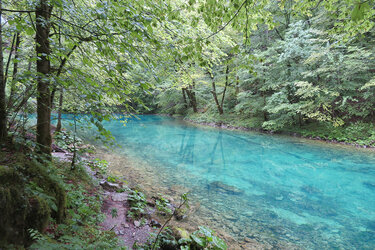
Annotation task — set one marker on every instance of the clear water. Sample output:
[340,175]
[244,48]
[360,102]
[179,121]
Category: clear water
[266,187]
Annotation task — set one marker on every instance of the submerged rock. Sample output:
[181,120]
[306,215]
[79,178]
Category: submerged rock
[370,185]
[225,188]
[371,225]
[310,189]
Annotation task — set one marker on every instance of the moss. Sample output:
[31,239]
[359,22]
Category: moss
[38,174]
[21,210]
[13,207]
[39,214]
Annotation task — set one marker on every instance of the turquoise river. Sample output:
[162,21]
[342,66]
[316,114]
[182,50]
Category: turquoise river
[271,188]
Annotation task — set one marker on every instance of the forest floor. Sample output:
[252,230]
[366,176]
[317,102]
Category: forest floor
[115,207]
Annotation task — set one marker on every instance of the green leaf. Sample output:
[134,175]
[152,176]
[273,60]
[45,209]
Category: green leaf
[200,241]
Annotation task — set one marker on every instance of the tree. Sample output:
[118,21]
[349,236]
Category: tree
[3,113]
[43,68]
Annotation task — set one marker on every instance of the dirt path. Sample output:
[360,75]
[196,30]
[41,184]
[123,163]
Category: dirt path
[115,207]
[128,231]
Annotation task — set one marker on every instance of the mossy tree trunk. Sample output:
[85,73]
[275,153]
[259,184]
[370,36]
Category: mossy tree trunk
[3,112]
[43,138]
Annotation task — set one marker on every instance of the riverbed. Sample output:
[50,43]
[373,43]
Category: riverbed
[277,190]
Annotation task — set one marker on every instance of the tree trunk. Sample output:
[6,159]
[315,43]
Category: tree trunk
[225,87]
[193,102]
[219,108]
[193,97]
[184,96]
[59,71]
[58,127]
[15,71]
[3,111]
[43,137]
[191,94]
[265,116]
[237,85]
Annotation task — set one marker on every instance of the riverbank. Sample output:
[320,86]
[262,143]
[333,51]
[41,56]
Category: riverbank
[360,135]
[73,202]
[139,218]
[148,179]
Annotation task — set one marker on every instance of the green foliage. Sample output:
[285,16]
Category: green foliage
[205,238]
[137,201]
[66,140]
[99,166]
[358,133]
[229,120]
[163,205]
[81,228]
[114,213]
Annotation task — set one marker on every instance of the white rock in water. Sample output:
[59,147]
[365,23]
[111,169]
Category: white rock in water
[279,198]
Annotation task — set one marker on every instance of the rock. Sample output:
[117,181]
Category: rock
[125,225]
[155,223]
[279,198]
[151,202]
[56,148]
[180,214]
[368,184]
[249,213]
[229,217]
[180,233]
[119,232]
[137,223]
[119,197]
[310,189]
[248,240]
[235,230]
[225,188]
[109,186]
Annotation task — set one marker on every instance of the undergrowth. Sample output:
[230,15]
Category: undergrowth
[81,227]
[357,133]
[79,208]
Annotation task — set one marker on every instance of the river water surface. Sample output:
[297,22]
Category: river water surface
[271,188]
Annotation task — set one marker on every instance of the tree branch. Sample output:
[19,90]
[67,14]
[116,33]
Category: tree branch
[233,17]
[19,11]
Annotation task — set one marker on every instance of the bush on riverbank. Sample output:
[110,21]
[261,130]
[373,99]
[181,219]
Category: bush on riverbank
[358,133]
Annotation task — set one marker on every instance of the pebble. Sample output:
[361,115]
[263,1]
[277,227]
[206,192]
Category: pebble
[137,223]
[119,232]
[279,198]
[231,218]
